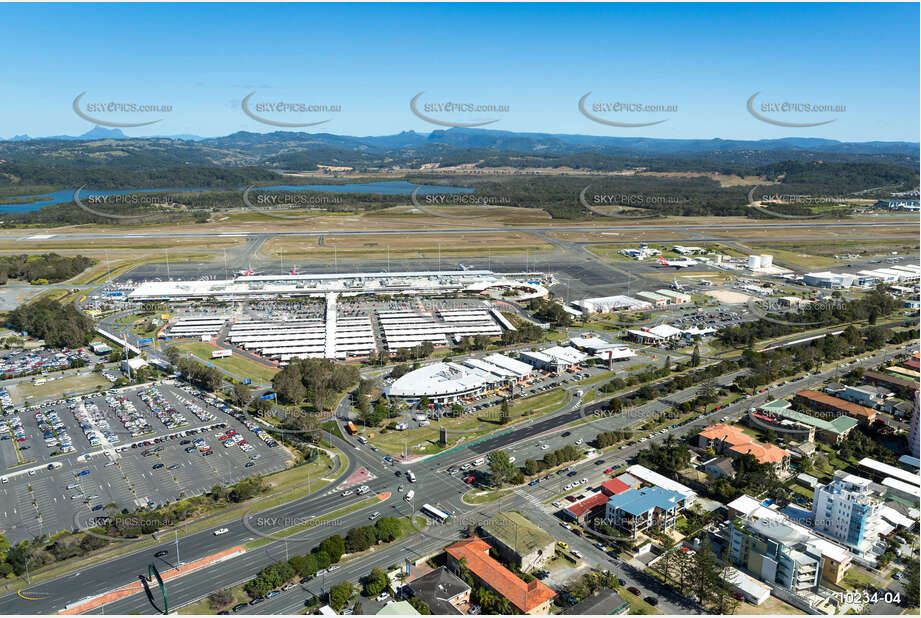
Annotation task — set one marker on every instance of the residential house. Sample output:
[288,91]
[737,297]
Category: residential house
[445,593]
[529,598]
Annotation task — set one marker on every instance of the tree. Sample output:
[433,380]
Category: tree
[695,356]
[705,571]
[504,412]
[334,547]
[912,584]
[340,595]
[531,467]
[376,582]
[501,469]
[420,606]
[220,599]
[241,394]
[667,559]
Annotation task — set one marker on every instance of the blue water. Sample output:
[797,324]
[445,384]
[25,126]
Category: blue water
[396,187]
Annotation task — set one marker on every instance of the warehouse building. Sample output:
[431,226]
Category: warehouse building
[831,280]
[677,298]
[609,304]
[656,300]
[656,334]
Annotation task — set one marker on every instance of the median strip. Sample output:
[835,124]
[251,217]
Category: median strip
[126,591]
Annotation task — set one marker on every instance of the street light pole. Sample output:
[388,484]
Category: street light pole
[176,533]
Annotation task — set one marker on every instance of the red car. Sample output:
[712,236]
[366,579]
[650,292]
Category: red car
[634,590]
[571,498]
[469,479]
[609,470]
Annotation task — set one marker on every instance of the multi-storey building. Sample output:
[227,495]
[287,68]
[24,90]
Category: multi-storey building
[847,510]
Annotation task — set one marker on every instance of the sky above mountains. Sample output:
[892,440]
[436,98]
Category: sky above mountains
[667,71]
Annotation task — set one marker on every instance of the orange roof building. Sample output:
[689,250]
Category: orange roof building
[529,598]
[732,441]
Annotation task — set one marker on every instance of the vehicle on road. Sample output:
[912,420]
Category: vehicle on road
[161,553]
[220,531]
[562,545]
[374,515]
[382,597]
[634,590]
[653,600]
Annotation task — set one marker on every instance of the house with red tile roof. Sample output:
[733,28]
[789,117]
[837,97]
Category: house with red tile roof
[529,598]
[732,441]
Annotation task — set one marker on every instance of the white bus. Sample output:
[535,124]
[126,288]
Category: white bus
[221,353]
[436,514]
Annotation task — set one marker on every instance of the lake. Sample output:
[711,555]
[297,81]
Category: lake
[395,187]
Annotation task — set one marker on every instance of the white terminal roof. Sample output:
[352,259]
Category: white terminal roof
[565,355]
[437,379]
[516,366]
[662,331]
[596,344]
[604,303]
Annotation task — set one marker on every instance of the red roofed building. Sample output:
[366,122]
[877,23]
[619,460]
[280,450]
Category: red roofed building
[734,442]
[531,598]
[613,487]
[578,510]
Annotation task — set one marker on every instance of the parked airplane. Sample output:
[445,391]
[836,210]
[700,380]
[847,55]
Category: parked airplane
[677,286]
[679,263]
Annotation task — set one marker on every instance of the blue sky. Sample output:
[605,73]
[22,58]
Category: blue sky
[539,60]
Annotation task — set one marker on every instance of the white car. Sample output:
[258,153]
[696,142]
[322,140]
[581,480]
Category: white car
[347,492]
[220,531]
[383,597]
[579,441]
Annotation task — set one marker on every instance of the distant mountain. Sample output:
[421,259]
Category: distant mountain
[564,143]
[98,132]
[291,150]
